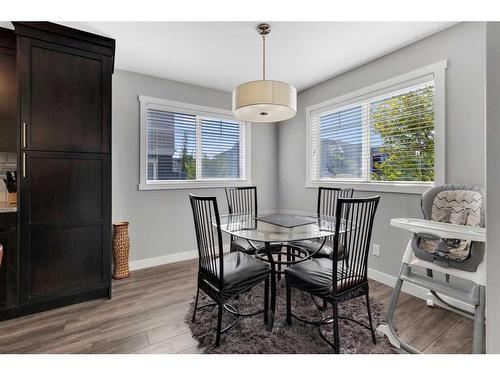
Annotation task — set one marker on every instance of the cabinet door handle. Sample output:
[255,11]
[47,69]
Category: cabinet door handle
[24,165]
[24,135]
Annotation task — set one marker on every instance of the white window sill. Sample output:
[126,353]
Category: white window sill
[385,187]
[179,185]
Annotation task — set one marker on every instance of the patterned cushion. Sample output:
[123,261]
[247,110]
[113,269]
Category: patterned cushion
[462,207]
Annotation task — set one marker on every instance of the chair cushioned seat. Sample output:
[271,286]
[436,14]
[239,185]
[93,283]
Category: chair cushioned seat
[315,276]
[242,271]
[313,245]
[240,244]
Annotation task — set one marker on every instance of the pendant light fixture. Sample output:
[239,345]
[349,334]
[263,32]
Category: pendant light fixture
[264,100]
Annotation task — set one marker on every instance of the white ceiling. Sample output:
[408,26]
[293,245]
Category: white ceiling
[222,55]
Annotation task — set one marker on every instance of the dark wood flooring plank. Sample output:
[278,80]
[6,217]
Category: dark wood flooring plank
[167,331]
[172,345]
[436,322]
[146,315]
[457,339]
[123,345]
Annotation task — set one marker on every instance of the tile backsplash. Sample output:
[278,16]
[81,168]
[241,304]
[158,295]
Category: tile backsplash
[8,162]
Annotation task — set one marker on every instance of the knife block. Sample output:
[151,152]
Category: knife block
[12,199]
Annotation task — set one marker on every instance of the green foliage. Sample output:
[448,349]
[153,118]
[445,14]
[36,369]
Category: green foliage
[405,125]
[188,162]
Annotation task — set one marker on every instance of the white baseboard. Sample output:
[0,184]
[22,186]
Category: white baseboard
[415,290]
[164,259]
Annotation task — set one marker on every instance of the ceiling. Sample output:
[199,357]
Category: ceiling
[221,55]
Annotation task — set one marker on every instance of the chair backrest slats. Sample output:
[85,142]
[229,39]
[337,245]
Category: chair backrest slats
[208,237]
[328,198]
[327,202]
[356,217]
[242,199]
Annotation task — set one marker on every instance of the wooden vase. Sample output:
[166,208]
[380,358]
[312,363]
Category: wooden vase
[121,247]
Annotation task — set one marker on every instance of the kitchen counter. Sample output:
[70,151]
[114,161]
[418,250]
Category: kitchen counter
[4,207]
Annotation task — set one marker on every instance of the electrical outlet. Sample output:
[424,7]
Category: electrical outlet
[376,250]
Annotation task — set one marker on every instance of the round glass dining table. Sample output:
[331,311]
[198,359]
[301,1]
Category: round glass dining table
[275,229]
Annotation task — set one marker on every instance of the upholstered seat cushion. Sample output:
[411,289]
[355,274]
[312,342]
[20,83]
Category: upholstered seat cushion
[455,204]
[315,276]
[462,207]
[313,245]
[240,244]
[242,271]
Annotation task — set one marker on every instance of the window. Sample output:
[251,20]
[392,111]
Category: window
[388,137]
[185,146]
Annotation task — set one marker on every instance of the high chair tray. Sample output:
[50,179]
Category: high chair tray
[443,230]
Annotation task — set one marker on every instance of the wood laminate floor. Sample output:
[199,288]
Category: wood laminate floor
[147,312]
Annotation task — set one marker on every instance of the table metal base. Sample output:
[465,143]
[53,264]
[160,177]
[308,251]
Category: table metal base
[292,253]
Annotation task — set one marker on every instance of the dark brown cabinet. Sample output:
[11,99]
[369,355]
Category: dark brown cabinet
[64,138]
[8,267]
[65,96]
[65,221]
[8,91]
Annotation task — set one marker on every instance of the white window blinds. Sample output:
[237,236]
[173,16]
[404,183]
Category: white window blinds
[220,149]
[171,145]
[188,146]
[384,137]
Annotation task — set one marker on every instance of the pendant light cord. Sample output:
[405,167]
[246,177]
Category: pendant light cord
[263,57]
[263,29]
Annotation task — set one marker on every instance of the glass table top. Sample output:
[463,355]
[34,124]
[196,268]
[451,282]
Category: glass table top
[246,226]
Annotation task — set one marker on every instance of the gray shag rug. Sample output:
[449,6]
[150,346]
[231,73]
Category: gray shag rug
[249,335]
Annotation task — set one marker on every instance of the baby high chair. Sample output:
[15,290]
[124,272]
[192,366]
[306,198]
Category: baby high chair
[450,241]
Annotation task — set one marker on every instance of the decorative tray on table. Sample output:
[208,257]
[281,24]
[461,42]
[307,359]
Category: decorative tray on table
[287,221]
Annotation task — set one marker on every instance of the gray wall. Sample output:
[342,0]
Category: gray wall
[464,47]
[161,221]
[493,185]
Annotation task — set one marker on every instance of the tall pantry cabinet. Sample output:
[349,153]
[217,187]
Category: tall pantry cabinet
[64,166]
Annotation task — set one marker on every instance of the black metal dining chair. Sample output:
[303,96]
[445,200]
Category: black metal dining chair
[344,276]
[327,205]
[223,276]
[243,200]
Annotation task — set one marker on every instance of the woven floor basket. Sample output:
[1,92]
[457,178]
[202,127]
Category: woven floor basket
[121,247]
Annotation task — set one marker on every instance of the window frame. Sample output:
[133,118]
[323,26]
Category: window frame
[435,72]
[147,102]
